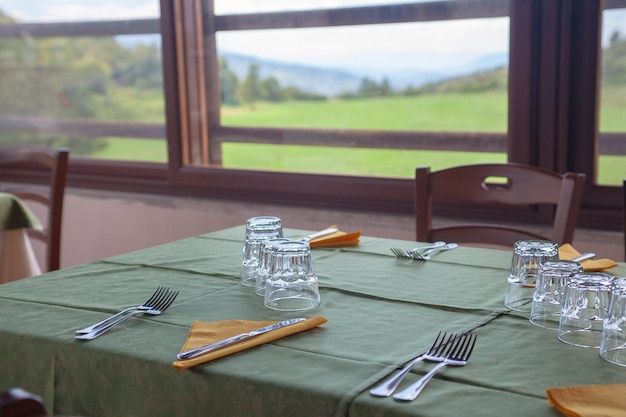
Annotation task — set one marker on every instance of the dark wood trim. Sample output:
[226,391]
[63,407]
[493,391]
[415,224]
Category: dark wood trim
[72,29]
[614,4]
[397,13]
[584,89]
[171,86]
[522,81]
[410,140]
[87,128]
[610,143]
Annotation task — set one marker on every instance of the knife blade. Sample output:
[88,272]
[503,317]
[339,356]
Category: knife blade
[234,339]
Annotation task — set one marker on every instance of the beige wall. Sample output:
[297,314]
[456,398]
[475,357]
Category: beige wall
[101,224]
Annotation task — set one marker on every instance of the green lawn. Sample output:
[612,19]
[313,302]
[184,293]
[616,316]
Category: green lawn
[441,112]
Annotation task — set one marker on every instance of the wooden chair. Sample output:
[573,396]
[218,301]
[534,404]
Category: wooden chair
[498,186]
[17,402]
[55,162]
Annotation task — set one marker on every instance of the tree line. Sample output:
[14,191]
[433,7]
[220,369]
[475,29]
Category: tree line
[252,88]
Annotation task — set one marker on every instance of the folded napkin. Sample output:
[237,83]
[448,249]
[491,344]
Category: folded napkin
[203,333]
[15,215]
[336,239]
[590,400]
[567,252]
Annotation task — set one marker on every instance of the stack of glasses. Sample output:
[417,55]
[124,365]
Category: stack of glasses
[278,268]
[588,309]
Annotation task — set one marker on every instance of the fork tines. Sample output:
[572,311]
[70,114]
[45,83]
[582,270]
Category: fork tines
[388,386]
[412,254]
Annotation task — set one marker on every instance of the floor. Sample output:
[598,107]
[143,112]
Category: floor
[605,244]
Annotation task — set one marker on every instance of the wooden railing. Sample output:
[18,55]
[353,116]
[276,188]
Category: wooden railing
[610,143]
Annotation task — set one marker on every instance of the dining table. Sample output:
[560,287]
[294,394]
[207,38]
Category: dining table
[17,257]
[381,311]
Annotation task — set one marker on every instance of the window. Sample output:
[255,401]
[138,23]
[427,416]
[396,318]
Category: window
[425,80]
[84,75]
[525,92]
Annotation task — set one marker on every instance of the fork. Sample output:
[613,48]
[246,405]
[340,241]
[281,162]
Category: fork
[158,308]
[457,355]
[387,387]
[426,255]
[401,253]
[158,294]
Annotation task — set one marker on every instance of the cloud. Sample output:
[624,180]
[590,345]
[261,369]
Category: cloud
[381,46]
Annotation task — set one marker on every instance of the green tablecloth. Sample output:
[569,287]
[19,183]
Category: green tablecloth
[15,215]
[381,311]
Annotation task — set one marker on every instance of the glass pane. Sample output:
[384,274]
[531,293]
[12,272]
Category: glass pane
[439,76]
[612,157]
[85,92]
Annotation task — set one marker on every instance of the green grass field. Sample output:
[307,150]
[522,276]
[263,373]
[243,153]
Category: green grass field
[485,112]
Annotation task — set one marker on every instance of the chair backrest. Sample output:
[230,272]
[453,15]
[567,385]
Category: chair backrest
[55,162]
[502,187]
[17,402]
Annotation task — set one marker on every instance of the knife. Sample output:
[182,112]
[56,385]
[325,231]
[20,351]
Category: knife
[234,339]
[319,234]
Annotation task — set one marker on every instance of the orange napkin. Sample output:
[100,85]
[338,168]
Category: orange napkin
[203,333]
[336,239]
[590,400]
[567,252]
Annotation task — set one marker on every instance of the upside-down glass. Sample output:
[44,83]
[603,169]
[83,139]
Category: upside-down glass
[264,224]
[613,343]
[546,308]
[527,256]
[585,306]
[258,229]
[291,284]
[267,249]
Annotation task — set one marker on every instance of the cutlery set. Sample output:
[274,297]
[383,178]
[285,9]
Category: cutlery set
[447,349]
[422,253]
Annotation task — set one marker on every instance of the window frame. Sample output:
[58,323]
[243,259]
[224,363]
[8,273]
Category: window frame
[546,124]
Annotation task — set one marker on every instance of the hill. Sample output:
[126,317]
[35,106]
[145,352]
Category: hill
[332,82]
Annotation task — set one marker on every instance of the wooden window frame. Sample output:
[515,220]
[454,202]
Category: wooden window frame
[546,124]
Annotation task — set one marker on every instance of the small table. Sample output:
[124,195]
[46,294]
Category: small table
[17,258]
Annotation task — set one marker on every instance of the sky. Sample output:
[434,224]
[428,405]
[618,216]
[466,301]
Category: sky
[428,45]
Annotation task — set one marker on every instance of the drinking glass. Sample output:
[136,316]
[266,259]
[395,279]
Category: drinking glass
[613,342]
[267,249]
[546,307]
[264,224]
[585,306]
[527,256]
[258,230]
[291,284]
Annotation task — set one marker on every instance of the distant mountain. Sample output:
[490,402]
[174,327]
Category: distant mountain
[313,79]
[332,82]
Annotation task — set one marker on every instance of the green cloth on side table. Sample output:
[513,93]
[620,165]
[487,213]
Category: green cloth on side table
[15,215]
